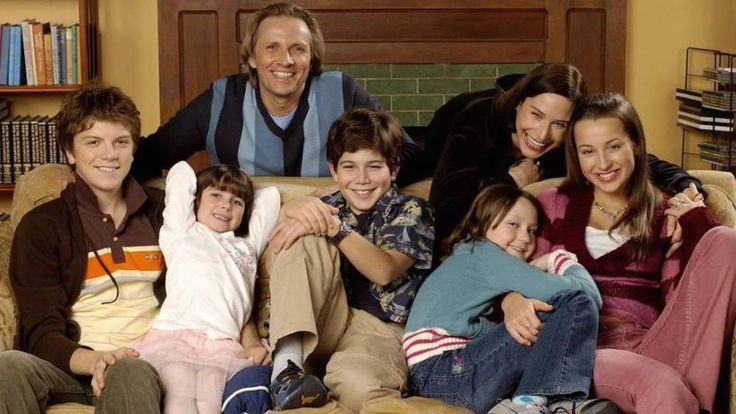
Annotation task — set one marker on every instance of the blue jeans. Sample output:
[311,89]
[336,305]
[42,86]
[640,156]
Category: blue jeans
[495,366]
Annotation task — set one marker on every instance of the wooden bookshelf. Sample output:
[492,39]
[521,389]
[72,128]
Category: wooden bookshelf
[65,12]
[5,89]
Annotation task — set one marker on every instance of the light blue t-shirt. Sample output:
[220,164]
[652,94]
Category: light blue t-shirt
[457,295]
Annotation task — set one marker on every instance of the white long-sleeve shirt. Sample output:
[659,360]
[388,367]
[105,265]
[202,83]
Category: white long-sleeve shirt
[211,276]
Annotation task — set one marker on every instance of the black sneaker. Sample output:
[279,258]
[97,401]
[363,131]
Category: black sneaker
[591,406]
[292,388]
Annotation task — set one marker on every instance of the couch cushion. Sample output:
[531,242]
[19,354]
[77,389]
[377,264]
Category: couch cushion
[8,312]
[41,185]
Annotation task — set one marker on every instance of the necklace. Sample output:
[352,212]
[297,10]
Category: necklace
[612,215]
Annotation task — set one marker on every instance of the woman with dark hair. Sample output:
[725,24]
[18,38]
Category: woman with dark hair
[510,134]
[664,321]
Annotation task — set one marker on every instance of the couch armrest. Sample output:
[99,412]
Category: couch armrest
[8,309]
[721,189]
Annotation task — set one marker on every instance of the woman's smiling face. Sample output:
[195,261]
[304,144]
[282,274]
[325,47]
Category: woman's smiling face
[541,121]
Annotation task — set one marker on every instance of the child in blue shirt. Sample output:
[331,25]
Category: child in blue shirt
[456,354]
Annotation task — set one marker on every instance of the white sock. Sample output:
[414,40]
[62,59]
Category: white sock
[288,348]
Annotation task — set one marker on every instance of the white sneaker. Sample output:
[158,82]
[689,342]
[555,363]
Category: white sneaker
[507,407]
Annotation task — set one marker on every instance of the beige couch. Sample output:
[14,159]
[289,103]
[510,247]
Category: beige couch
[43,184]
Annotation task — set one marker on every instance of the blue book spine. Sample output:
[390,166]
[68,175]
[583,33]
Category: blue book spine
[13,62]
[20,62]
[4,54]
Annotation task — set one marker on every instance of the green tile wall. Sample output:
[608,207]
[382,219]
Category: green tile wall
[412,92]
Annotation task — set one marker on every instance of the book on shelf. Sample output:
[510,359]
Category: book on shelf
[45,53]
[19,67]
[39,57]
[705,114]
[688,95]
[721,100]
[4,53]
[28,51]
[723,75]
[26,142]
[47,56]
[709,127]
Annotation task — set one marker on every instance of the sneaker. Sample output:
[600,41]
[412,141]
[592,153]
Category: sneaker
[592,406]
[292,388]
[507,407]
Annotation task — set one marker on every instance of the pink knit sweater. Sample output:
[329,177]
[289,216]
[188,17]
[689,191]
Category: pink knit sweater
[633,291]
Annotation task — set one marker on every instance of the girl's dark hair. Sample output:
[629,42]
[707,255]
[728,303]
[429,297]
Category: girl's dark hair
[558,78]
[643,196]
[233,180]
[488,209]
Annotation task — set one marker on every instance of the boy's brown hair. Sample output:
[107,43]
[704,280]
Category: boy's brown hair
[363,128]
[95,102]
[233,180]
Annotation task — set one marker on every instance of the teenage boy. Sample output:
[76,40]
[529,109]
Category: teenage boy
[83,269]
[344,313]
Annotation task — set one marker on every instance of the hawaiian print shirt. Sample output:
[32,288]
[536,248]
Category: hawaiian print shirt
[404,223]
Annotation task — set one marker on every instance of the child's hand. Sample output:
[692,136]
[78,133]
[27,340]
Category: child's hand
[334,226]
[520,317]
[103,361]
[540,262]
[258,354]
[286,233]
[311,212]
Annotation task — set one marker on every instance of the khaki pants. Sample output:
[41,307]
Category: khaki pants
[360,355]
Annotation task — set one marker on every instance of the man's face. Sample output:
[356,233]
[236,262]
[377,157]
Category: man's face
[281,57]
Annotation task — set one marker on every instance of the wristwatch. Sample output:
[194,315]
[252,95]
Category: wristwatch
[341,233]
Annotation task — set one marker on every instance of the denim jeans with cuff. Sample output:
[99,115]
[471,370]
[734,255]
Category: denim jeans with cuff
[495,366]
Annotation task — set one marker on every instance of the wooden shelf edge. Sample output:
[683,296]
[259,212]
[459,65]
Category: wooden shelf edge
[7,188]
[39,89]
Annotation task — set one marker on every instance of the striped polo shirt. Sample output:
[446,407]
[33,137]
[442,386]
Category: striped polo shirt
[130,255]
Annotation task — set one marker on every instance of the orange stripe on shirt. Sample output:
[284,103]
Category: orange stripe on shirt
[141,260]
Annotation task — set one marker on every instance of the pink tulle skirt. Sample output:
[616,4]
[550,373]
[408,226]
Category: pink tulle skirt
[190,364]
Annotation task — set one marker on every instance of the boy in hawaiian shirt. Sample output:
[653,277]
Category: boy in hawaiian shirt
[347,311]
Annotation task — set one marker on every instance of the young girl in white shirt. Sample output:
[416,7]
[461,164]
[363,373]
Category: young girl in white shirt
[204,333]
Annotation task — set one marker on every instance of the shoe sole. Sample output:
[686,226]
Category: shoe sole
[601,407]
[311,393]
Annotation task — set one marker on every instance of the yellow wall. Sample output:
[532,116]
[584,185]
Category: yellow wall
[129,48]
[659,32]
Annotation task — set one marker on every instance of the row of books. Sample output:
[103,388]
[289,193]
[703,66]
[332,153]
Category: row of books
[27,141]
[722,153]
[33,53]
[693,113]
[724,75]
